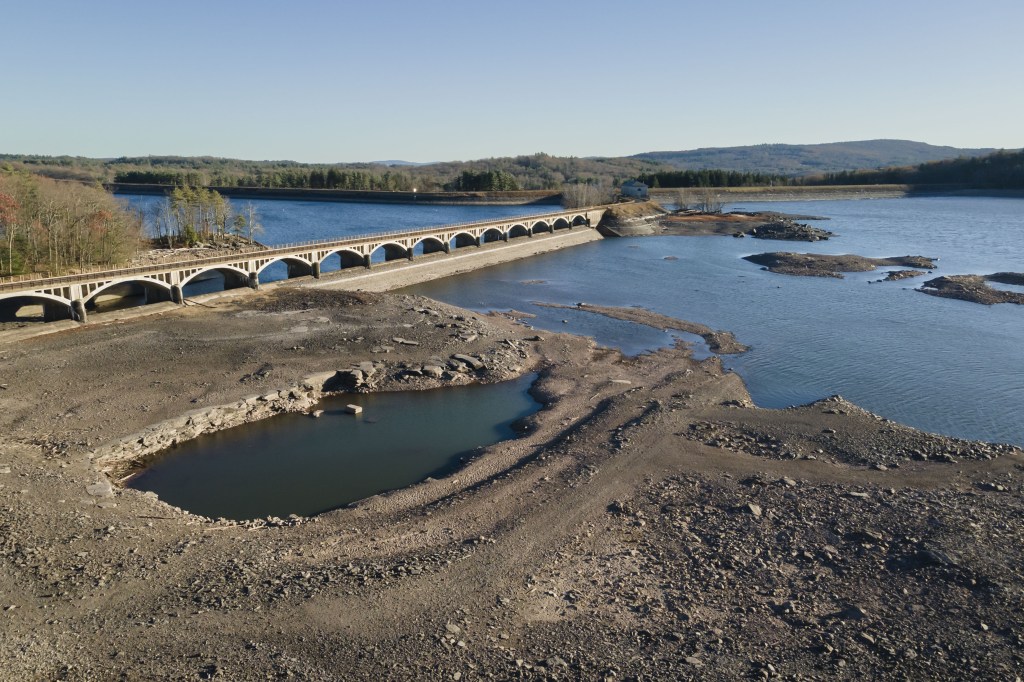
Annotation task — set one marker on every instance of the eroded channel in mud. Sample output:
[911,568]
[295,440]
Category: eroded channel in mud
[295,464]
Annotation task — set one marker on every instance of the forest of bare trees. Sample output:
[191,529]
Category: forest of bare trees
[55,227]
[191,215]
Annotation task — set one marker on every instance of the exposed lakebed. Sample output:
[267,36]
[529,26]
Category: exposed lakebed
[295,464]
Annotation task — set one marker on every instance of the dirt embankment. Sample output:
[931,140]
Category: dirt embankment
[650,524]
[825,265]
[631,219]
[975,288]
[718,341]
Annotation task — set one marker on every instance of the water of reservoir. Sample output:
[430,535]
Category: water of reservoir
[295,464]
[943,365]
[288,221]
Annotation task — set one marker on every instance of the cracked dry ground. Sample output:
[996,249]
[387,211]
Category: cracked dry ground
[650,525]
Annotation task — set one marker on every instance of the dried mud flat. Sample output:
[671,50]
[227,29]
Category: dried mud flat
[651,524]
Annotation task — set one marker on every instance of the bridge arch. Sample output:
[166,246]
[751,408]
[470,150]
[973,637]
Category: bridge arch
[578,220]
[53,307]
[391,251]
[519,230]
[463,239]
[233,277]
[541,226]
[491,234]
[432,244]
[347,258]
[561,224]
[145,288]
[297,266]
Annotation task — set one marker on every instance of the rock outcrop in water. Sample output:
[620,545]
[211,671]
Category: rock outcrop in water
[974,288]
[825,265]
[789,230]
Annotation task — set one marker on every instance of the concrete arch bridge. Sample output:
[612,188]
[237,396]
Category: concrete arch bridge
[72,296]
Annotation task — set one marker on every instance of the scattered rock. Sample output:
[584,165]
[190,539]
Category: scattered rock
[101,488]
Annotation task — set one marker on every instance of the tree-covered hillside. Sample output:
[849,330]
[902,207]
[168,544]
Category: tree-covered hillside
[536,171]
[808,159]
[999,170]
[731,166]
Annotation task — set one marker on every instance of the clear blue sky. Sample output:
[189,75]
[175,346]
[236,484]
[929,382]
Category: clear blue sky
[322,81]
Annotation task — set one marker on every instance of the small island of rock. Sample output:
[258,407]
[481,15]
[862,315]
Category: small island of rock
[975,288]
[826,265]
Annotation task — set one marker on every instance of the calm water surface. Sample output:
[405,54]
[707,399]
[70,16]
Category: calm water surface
[285,222]
[294,464]
[947,366]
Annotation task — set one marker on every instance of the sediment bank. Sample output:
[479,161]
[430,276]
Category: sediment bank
[650,521]
[721,342]
[650,524]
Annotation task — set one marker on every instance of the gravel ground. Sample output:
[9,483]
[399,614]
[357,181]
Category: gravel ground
[650,524]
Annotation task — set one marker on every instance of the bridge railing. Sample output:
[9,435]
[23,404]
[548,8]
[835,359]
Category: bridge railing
[17,282]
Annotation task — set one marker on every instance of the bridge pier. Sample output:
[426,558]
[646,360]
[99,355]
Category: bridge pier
[77,311]
[69,296]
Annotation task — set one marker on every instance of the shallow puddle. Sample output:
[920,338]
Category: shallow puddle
[296,464]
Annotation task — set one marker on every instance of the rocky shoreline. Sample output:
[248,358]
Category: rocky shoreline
[651,523]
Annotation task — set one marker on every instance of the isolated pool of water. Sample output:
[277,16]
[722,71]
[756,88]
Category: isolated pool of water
[295,464]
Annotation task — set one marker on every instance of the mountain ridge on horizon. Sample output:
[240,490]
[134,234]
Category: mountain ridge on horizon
[534,171]
[809,159]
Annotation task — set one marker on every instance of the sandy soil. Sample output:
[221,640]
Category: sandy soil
[651,524]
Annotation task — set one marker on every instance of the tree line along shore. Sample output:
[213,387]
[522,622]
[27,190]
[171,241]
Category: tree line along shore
[998,169]
[52,227]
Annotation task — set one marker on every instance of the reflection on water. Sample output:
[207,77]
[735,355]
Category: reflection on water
[295,464]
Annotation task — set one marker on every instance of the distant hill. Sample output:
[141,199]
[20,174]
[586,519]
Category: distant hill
[769,164]
[399,162]
[808,159]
